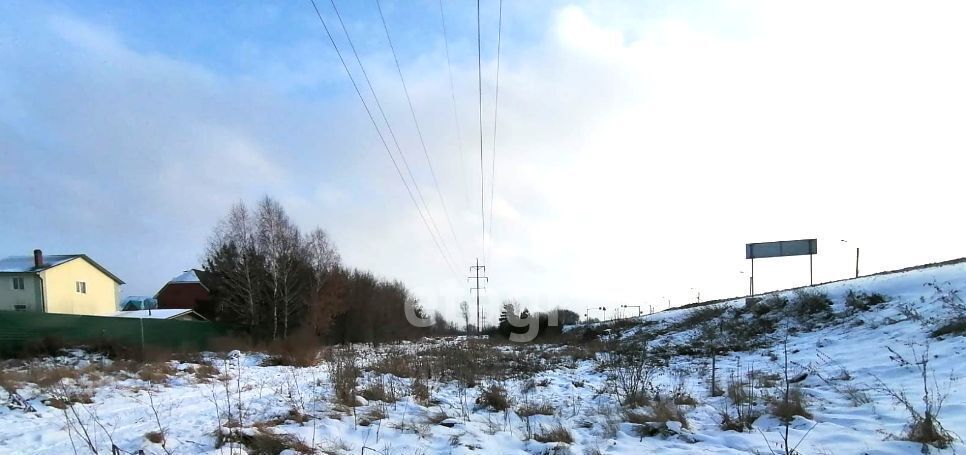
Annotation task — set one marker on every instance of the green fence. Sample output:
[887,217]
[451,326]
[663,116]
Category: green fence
[20,328]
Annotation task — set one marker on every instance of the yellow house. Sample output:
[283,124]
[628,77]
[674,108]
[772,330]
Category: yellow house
[68,284]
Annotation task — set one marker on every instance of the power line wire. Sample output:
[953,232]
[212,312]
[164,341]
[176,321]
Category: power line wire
[496,111]
[392,133]
[381,137]
[452,91]
[479,75]
[419,133]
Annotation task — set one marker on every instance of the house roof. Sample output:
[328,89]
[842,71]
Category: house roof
[190,276]
[157,314]
[25,264]
[140,302]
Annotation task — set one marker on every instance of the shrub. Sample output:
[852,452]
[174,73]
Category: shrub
[298,351]
[684,399]
[924,426]
[703,314]
[862,301]
[343,373]
[794,405]
[954,327]
[379,390]
[419,390]
[775,302]
[493,398]
[45,347]
[809,303]
[738,391]
[740,423]
[555,433]
[627,369]
[156,437]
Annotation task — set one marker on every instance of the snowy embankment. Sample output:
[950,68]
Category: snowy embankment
[573,397]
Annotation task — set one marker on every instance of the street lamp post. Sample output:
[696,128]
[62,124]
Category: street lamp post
[699,295]
[639,312]
[856,259]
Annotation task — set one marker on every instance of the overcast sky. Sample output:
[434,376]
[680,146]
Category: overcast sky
[640,145]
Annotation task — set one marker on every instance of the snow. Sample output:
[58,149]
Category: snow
[24,264]
[151,314]
[189,276]
[852,351]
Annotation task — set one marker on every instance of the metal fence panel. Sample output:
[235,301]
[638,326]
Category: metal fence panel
[18,328]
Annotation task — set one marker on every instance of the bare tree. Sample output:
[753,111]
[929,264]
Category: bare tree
[232,250]
[285,261]
[465,311]
[322,254]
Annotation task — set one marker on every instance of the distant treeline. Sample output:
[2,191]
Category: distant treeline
[276,282]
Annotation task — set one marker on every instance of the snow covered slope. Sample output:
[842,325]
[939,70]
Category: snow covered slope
[849,361]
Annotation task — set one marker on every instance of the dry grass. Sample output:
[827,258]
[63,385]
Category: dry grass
[761,379]
[157,373]
[402,364]
[554,433]
[684,399]
[858,396]
[493,398]
[738,391]
[205,372]
[808,303]
[532,409]
[795,405]
[293,415]
[436,418]
[116,367]
[661,411]
[11,379]
[928,431]
[156,437]
[263,441]
[741,422]
[343,373]
[46,377]
[419,389]
[297,351]
[63,401]
[380,390]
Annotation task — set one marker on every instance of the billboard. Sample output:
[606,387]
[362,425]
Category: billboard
[783,248]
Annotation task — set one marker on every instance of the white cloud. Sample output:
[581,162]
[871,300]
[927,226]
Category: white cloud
[636,156]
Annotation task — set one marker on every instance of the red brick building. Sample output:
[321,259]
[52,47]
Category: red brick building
[187,291]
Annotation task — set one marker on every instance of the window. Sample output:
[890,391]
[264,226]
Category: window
[82,287]
[18,283]
[20,307]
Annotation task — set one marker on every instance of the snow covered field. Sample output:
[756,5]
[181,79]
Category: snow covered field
[847,363]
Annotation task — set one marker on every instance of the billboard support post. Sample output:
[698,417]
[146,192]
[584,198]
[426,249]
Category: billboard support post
[751,280]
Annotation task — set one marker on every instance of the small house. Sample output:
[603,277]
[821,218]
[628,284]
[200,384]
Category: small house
[189,290]
[65,283]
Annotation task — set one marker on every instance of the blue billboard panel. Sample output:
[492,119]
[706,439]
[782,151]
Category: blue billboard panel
[783,248]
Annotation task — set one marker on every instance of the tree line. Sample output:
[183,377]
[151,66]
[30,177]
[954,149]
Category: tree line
[268,277]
